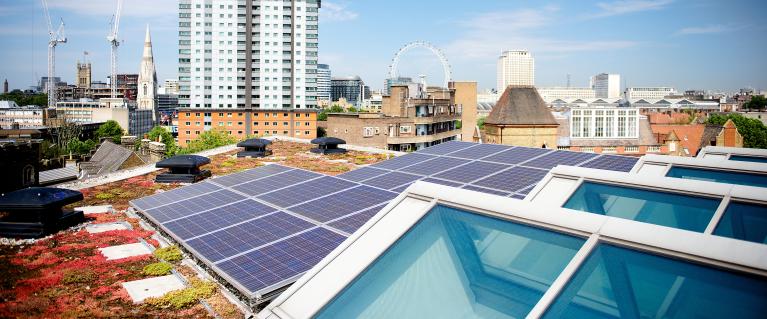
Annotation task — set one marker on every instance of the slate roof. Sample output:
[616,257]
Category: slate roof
[521,105]
[109,157]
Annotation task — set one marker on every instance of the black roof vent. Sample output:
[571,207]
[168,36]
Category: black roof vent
[38,211]
[183,169]
[328,145]
[255,147]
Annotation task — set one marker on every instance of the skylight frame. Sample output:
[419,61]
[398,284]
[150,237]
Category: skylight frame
[724,153]
[342,266]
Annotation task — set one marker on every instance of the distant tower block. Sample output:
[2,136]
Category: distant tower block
[147,78]
[5,86]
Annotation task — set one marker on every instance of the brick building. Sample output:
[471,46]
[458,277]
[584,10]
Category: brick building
[521,118]
[300,123]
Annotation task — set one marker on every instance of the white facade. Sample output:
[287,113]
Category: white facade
[652,93]
[170,87]
[323,82]
[606,86]
[608,123]
[248,54]
[515,68]
[147,78]
[552,93]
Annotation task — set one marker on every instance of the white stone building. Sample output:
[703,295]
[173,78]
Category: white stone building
[515,68]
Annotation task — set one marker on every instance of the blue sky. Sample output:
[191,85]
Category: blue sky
[686,44]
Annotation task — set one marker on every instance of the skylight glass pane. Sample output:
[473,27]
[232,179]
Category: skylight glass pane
[654,207]
[754,159]
[617,282]
[718,176]
[458,264]
[744,221]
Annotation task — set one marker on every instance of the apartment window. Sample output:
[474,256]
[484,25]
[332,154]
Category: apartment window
[367,132]
[405,129]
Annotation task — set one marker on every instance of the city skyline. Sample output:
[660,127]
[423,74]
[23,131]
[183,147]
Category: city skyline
[680,48]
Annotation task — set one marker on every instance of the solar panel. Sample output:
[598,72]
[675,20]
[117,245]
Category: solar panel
[243,237]
[442,182]
[551,160]
[249,175]
[612,162]
[446,148]
[343,203]
[516,155]
[513,179]
[517,196]
[392,180]
[276,181]
[403,161]
[270,267]
[472,171]
[434,166]
[174,195]
[192,206]
[306,191]
[486,190]
[217,218]
[480,151]
[362,174]
[351,223]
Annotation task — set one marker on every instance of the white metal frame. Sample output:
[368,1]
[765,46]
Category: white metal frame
[698,162]
[720,152]
[323,282]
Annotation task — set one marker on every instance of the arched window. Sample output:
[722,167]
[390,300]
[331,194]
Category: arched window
[28,176]
[144,89]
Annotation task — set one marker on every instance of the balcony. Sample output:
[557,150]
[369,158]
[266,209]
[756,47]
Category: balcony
[422,138]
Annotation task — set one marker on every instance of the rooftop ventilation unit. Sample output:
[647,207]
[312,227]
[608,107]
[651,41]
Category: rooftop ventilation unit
[38,211]
[183,169]
[328,145]
[255,147]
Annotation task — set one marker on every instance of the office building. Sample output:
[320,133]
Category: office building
[147,79]
[515,68]
[520,118]
[171,87]
[23,116]
[395,81]
[606,86]
[552,93]
[132,119]
[323,82]
[648,93]
[350,88]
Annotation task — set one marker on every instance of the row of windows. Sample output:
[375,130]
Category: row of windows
[229,114]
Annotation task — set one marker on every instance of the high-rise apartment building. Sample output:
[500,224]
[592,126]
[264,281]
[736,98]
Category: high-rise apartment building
[84,75]
[248,54]
[515,68]
[323,82]
[606,85]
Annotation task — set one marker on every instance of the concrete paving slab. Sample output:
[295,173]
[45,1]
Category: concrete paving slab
[139,290]
[100,228]
[87,210]
[125,251]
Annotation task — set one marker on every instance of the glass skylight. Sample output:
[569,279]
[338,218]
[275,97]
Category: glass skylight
[617,282]
[743,158]
[744,221]
[718,176]
[458,264]
[654,207]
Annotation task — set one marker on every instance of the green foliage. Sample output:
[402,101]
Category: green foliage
[49,149]
[23,99]
[110,129]
[77,147]
[754,132]
[104,196]
[336,109]
[157,269]
[758,102]
[458,124]
[167,139]
[78,276]
[352,110]
[481,122]
[180,299]
[321,132]
[323,115]
[169,254]
[208,140]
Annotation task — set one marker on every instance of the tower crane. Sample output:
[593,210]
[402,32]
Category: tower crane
[54,38]
[114,26]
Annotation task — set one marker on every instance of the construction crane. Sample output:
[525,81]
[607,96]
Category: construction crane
[54,38]
[114,26]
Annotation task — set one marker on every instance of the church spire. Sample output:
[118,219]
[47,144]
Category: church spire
[147,77]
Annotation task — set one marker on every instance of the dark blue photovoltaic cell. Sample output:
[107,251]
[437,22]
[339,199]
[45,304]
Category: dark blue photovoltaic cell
[307,191]
[513,180]
[447,147]
[249,175]
[274,182]
[400,189]
[392,180]
[404,160]
[343,203]
[281,261]
[480,151]
[434,166]
[442,182]
[516,155]
[551,160]
[362,174]
[246,236]
[217,218]
[472,171]
[613,163]
[193,206]
[351,223]
[485,190]
[174,195]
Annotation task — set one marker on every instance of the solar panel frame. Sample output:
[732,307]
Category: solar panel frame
[480,151]
[552,159]
[486,190]
[516,155]
[200,224]
[306,191]
[434,166]
[250,175]
[446,148]
[275,182]
[513,179]
[472,171]
[350,223]
[174,195]
[403,161]
[365,173]
[612,162]
[201,203]
[343,203]
[392,180]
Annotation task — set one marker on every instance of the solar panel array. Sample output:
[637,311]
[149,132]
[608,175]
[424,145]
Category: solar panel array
[262,228]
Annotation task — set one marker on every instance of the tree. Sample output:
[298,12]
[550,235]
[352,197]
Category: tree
[166,138]
[77,147]
[208,140]
[458,124]
[481,122]
[758,102]
[321,132]
[23,99]
[110,129]
[754,132]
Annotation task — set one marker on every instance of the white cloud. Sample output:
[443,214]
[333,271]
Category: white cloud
[621,7]
[711,29]
[106,8]
[332,11]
